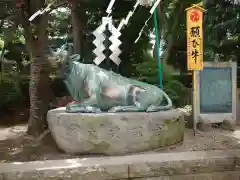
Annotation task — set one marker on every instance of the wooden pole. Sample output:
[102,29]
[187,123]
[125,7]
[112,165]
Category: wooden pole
[194,106]
[194,52]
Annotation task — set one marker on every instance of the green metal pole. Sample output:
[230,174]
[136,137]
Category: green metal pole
[160,74]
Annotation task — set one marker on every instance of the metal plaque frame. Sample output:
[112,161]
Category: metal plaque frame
[218,117]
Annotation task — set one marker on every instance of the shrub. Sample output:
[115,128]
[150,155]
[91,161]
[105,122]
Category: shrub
[10,94]
[148,72]
[176,91]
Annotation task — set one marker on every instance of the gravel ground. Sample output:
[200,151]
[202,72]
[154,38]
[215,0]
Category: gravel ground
[16,146]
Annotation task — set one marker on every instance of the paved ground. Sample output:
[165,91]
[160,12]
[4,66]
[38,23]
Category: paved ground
[16,146]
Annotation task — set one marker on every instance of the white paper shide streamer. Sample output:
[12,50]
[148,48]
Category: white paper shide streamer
[146,3]
[115,46]
[109,8]
[40,12]
[126,20]
[98,42]
[151,13]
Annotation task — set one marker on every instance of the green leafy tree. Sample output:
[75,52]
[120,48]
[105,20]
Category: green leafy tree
[36,40]
[222,30]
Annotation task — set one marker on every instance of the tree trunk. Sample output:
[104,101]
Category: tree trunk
[40,91]
[170,38]
[76,26]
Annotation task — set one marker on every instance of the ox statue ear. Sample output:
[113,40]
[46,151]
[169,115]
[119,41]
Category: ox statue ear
[68,51]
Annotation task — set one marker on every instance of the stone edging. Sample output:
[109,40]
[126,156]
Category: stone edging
[124,167]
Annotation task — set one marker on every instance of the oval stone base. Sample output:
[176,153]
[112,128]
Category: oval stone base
[115,133]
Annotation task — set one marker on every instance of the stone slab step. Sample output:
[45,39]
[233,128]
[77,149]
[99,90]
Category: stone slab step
[228,175]
[124,167]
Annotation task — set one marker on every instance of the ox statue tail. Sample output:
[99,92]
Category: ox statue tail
[156,108]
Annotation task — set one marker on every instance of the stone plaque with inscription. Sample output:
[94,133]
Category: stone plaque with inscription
[217,93]
[216,90]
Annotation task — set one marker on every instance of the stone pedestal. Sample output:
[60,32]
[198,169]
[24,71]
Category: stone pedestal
[115,133]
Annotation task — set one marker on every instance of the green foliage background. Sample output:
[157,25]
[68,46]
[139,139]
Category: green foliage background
[221,37]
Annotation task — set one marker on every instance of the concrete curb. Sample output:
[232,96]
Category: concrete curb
[144,166]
